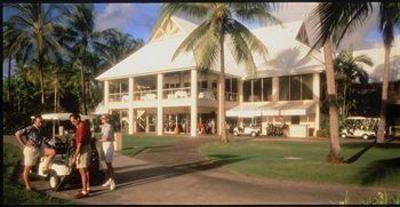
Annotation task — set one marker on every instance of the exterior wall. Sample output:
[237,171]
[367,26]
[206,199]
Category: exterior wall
[194,104]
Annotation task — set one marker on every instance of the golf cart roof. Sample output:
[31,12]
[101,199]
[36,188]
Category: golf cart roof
[61,116]
[359,117]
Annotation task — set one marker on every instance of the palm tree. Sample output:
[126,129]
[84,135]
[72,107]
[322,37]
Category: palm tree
[115,46]
[338,19]
[35,25]
[81,35]
[219,24]
[349,69]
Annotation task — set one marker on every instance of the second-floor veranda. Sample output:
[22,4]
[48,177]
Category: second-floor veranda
[174,88]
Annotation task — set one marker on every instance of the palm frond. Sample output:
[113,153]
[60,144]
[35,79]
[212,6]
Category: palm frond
[258,12]
[335,19]
[192,39]
[389,17]
[198,10]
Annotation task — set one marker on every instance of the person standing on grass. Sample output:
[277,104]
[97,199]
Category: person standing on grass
[81,157]
[107,140]
[33,148]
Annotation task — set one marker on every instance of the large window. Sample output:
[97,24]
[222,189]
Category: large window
[231,89]
[257,90]
[119,90]
[297,87]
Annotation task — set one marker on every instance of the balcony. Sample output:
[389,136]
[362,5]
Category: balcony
[119,97]
[145,95]
[176,93]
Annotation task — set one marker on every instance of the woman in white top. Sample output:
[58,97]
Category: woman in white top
[107,139]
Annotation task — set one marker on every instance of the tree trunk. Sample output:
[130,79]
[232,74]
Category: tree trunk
[334,155]
[83,94]
[344,102]
[41,79]
[221,98]
[55,97]
[385,84]
[9,81]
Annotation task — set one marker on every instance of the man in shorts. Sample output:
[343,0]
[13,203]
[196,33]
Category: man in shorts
[33,148]
[81,157]
[107,140]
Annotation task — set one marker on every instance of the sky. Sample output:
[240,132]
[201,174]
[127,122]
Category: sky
[138,20]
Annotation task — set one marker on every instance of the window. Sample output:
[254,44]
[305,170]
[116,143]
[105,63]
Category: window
[267,89]
[203,84]
[295,120]
[297,87]
[284,88]
[246,90]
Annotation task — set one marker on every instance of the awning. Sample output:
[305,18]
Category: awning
[250,110]
[245,111]
[296,109]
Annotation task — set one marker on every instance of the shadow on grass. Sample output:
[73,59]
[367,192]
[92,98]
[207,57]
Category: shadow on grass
[386,145]
[158,173]
[357,156]
[379,170]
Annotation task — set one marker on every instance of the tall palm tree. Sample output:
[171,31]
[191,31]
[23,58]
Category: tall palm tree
[80,35]
[389,18]
[219,24]
[339,19]
[349,69]
[35,23]
[115,46]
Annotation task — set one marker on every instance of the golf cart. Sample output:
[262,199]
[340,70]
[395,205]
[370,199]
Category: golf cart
[247,130]
[61,171]
[359,127]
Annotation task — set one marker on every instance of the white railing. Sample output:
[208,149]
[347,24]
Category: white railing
[207,93]
[145,95]
[119,97]
[176,93]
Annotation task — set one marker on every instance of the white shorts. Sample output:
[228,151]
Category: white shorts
[31,155]
[108,150]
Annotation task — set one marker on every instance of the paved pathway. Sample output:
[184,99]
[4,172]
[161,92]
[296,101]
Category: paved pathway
[177,174]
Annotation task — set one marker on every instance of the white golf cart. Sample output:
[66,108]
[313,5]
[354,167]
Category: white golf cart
[60,168]
[247,130]
[359,126]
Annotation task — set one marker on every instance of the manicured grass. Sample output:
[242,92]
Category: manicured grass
[14,193]
[378,166]
[134,144]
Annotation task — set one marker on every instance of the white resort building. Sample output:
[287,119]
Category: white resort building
[154,94]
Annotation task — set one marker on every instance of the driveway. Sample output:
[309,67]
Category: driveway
[177,174]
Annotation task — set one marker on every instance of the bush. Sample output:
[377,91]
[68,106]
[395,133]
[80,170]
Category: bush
[323,133]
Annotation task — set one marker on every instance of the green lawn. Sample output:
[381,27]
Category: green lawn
[134,144]
[14,193]
[378,166]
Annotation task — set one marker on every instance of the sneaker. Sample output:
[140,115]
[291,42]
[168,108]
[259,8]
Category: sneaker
[112,185]
[81,194]
[107,183]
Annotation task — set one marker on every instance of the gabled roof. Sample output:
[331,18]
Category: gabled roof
[286,54]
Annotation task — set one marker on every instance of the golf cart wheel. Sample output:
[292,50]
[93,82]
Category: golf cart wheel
[343,136]
[54,180]
[365,136]
[253,134]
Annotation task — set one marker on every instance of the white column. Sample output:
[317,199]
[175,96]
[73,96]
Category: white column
[240,90]
[131,116]
[275,89]
[221,107]
[194,103]
[106,94]
[316,97]
[160,127]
